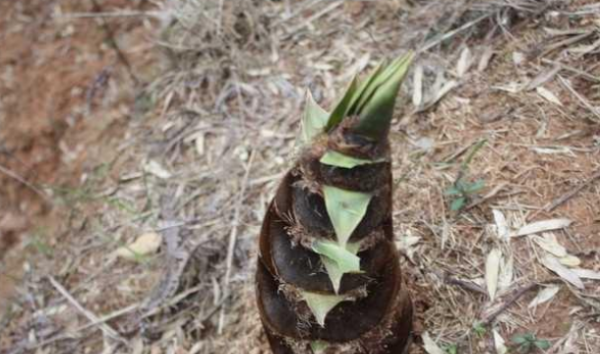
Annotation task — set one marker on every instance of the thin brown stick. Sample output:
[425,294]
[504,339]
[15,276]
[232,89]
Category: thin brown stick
[487,197]
[23,181]
[467,285]
[580,98]
[172,302]
[215,309]
[109,317]
[516,296]
[106,329]
[566,67]
[573,192]
[63,336]
[452,33]
[110,14]
[233,237]
[292,31]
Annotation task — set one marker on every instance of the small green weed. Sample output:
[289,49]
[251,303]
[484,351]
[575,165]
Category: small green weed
[38,243]
[122,205]
[451,348]
[462,190]
[84,193]
[479,329]
[527,342]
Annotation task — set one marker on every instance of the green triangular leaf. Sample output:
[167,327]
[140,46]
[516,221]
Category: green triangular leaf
[519,339]
[320,304]
[458,203]
[314,119]
[346,260]
[345,209]
[343,106]
[348,104]
[334,158]
[374,96]
[364,87]
[334,272]
[379,79]
[336,267]
[376,114]
[542,344]
[453,191]
[475,186]
[318,346]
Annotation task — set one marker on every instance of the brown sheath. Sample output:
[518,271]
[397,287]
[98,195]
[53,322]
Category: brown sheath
[378,319]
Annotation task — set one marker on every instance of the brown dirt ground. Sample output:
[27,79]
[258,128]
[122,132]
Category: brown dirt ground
[222,126]
[62,113]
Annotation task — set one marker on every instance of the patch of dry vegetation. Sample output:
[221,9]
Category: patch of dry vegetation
[219,127]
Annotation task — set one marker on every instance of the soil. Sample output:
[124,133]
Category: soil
[68,115]
[64,103]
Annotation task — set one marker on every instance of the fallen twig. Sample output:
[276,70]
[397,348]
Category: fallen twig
[307,22]
[570,194]
[487,197]
[172,302]
[579,97]
[111,14]
[106,329]
[178,256]
[23,181]
[467,285]
[233,236]
[71,335]
[516,296]
[452,33]
[566,67]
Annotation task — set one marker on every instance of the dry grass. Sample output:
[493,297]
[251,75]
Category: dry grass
[203,162]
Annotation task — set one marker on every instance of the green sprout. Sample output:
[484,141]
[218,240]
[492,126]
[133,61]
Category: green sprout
[451,348]
[37,241]
[462,191]
[479,329]
[527,342]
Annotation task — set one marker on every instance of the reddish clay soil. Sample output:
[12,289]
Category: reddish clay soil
[64,100]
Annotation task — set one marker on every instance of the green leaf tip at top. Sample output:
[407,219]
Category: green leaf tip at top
[344,106]
[372,100]
[314,119]
[375,115]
